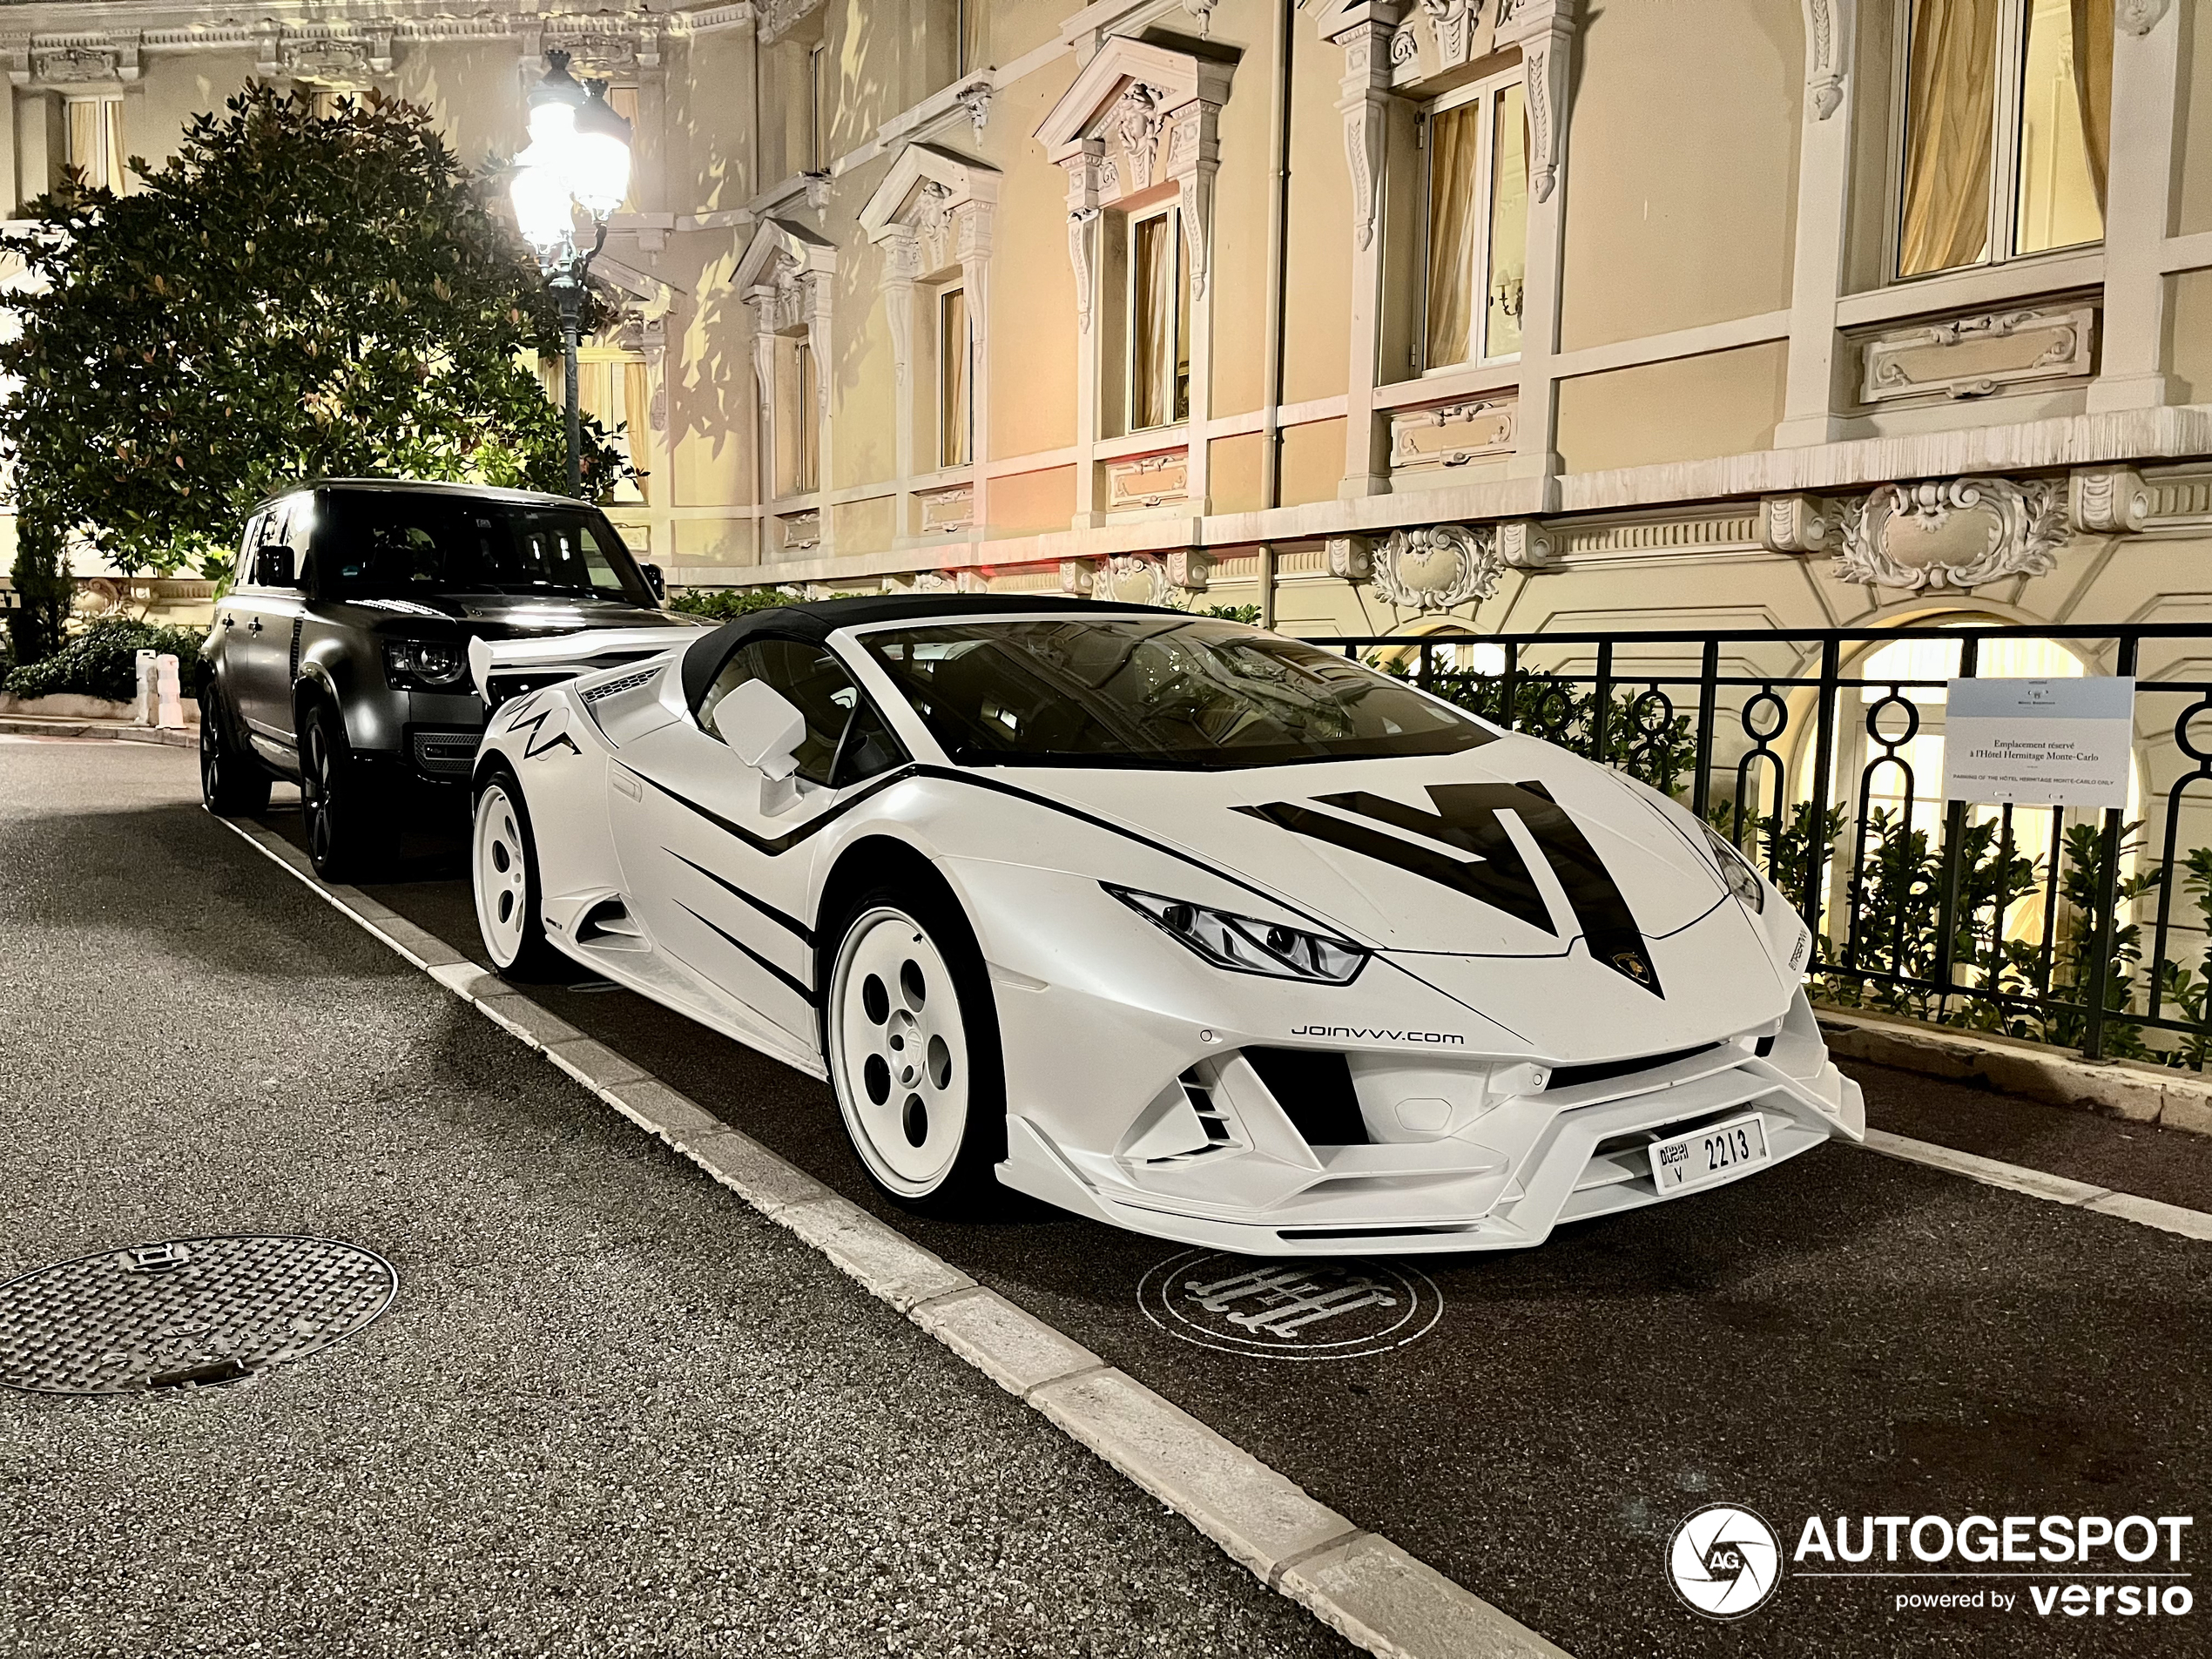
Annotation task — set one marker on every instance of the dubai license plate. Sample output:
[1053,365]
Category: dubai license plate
[1707,1154]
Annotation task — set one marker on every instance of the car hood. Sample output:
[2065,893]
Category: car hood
[499,617]
[1517,848]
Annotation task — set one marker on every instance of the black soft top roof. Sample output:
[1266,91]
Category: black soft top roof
[704,656]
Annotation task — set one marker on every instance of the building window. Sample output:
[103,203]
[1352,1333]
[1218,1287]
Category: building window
[2008,110]
[622,100]
[955,358]
[1159,322]
[1477,224]
[96,142]
[971,35]
[816,108]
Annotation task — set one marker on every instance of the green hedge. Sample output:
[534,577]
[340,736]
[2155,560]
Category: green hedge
[103,661]
[723,604]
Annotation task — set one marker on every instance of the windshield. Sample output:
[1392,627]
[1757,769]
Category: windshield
[410,544]
[1167,692]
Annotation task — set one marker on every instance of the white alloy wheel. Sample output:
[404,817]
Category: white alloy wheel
[500,873]
[899,1052]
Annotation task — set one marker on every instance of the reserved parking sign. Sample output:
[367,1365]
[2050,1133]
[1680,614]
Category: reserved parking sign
[2041,743]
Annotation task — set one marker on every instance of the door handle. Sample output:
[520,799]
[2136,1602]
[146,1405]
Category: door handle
[229,621]
[254,626]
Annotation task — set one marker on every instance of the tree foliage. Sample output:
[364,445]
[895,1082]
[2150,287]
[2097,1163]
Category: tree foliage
[290,295]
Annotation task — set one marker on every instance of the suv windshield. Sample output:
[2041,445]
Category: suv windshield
[1162,691]
[400,544]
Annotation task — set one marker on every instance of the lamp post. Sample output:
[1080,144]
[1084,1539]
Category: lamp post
[579,156]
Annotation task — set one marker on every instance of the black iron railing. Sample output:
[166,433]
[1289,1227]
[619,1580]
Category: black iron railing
[1812,751]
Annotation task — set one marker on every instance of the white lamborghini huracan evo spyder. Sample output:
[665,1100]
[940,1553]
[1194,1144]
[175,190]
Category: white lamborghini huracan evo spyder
[1184,926]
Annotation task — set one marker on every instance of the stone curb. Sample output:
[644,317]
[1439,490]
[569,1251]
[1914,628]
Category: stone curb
[2138,1094]
[2056,1189]
[1357,1582]
[34,726]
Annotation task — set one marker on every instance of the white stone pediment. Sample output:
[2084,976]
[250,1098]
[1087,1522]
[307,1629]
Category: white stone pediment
[926,180]
[1171,79]
[780,250]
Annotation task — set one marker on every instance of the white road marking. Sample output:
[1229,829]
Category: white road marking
[1356,1581]
[2056,1189]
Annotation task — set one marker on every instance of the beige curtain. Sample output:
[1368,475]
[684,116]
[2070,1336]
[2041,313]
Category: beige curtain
[635,401]
[952,349]
[1453,139]
[1508,225]
[1950,102]
[1152,327]
[2093,85]
[974,36]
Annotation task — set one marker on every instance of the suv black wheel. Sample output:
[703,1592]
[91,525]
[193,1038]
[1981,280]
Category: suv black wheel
[342,814]
[231,783]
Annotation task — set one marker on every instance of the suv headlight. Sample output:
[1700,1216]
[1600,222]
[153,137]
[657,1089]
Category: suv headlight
[1735,870]
[426,664]
[1245,945]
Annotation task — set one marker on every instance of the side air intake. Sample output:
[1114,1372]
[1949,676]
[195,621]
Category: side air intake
[609,926]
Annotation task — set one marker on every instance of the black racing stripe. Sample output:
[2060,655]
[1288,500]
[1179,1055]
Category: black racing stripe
[803,990]
[1495,875]
[1127,834]
[772,844]
[797,926]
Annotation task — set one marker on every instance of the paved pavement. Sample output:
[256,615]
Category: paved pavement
[611,1412]
[1847,1335]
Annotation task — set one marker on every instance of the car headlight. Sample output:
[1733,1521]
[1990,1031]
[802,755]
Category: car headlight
[426,664]
[1245,944]
[1735,870]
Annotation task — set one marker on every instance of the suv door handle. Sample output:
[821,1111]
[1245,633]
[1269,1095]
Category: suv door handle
[230,621]
[254,626]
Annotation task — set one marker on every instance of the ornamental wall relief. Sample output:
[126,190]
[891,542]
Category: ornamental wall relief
[1959,533]
[1437,567]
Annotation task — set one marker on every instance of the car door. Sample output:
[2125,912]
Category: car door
[259,619]
[717,856]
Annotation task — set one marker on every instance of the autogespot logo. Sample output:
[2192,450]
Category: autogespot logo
[1724,1561]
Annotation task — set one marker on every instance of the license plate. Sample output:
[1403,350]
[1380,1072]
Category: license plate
[1707,1155]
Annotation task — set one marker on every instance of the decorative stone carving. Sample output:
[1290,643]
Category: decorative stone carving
[818,187]
[1544,30]
[328,63]
[1080,577]
[1800,525]
[1525,544]
[1958,534]
[975,99]
[74,64]
[1138,122]
[2139,17]
[1452,435]
[1980,355]
[778,17]
[601,57]
[1436,568]
[1828,30]
[1370,48]
[2107,501]
[1351,558]
[1149,481]
[1149,579]
[1189,569]
[946,511]
[802,532]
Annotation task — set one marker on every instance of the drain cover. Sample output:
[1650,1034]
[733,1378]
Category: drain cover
[186,1310]
[1295,1310]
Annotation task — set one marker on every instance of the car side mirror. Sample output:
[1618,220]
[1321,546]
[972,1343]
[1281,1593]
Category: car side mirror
[764,730]
[273,567]
[654,580]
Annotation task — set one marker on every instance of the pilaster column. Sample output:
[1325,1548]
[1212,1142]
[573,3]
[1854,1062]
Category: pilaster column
[974,223]
[1544,30]
[1824,199]
[1081,163]
[2139,203]
[902,265]
[1194,156]
[1364,106]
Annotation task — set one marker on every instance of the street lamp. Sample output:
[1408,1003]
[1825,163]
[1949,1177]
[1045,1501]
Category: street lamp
[579,156]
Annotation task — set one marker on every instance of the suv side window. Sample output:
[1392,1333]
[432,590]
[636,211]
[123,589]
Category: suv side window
[844,732]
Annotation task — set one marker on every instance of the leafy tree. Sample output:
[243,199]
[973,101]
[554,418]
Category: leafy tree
[289,295]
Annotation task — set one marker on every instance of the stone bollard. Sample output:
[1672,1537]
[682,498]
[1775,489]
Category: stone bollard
[169,691]
[146,707]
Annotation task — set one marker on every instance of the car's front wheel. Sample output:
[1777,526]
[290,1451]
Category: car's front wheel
[335,796]
[231,783]
[913,1054]
[503,870]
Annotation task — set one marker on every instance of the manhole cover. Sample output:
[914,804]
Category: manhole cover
[186,1311]
[1301,1310]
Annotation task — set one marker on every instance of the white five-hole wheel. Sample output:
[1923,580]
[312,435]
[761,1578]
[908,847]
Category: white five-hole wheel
[899,1055]
[500,876]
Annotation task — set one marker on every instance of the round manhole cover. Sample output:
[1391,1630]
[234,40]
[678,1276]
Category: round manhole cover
[186,1310]
[1300,1310]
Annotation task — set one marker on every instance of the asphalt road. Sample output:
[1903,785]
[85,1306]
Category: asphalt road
[1846,1335]
[612,1410]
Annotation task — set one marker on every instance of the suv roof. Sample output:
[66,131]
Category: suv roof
[425,487]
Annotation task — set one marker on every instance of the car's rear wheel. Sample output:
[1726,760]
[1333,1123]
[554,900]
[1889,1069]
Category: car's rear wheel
[913,1054]
[231,783]
[503,872]
[336,798]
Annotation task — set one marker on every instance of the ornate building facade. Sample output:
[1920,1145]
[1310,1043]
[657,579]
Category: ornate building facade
[1489,314]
